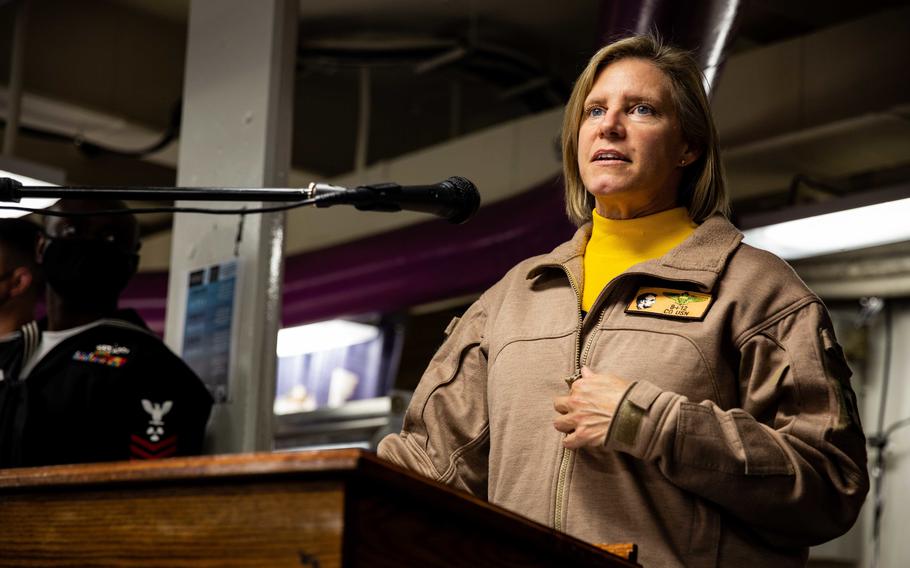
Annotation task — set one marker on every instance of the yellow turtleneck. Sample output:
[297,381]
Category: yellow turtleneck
[616,245]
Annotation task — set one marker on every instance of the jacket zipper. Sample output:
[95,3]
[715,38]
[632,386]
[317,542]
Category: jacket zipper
[580,357]
[568,455]
[565,459]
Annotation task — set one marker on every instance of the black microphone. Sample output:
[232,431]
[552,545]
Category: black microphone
[456,199]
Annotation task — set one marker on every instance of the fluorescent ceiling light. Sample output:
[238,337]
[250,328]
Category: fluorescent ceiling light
[872,225]
[855,221]
[322,336]
[33,203]
[28,173]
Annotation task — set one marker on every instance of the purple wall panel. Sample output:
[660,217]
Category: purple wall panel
[426,262]
[147,294]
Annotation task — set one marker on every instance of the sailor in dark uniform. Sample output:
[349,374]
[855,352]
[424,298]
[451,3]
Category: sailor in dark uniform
[96,384]
[20,279]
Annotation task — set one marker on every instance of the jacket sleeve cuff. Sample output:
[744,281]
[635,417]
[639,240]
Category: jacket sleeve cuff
[638,419]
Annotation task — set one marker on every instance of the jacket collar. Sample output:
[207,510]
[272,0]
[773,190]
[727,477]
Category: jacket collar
[699,259]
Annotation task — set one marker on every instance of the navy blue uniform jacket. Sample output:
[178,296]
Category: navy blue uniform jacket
[111,392]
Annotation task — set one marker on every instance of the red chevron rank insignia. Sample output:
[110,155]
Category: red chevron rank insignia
[142,449]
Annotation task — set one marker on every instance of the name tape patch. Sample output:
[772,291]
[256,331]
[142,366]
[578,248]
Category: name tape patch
[670,303]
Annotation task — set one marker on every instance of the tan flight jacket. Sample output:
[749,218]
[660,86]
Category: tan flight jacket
[738,444]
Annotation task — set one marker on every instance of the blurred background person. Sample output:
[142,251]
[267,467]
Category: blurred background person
[99,386]
[20,281]
[20,288]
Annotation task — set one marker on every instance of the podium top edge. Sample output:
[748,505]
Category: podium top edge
[198,467]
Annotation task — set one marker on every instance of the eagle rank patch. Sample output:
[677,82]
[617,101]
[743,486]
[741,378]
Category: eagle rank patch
[670,303]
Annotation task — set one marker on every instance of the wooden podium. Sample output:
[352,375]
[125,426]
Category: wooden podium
[318,509]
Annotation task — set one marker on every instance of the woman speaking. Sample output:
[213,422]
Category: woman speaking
[653,380]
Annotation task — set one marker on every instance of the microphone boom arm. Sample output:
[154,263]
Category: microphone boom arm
[455,199]
[13,191]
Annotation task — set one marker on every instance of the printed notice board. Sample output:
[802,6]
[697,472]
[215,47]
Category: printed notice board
[207,328]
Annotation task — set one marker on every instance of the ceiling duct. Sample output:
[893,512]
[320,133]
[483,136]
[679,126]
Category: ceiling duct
[706,28]
[508,69]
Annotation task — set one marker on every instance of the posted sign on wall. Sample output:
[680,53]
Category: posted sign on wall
[207,328]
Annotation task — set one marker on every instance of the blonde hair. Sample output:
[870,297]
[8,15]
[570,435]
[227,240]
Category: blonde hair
[702,189]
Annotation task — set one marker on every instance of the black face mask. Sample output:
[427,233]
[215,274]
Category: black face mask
[90,272]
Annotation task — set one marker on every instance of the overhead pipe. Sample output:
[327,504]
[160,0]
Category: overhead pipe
[17,56]
[365,107]
[705,28]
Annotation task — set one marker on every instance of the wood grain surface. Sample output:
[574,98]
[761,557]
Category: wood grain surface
[228,465]
[234,510]
[266,524]
[318,509]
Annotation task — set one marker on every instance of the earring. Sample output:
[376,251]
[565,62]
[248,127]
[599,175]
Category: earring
[682,162]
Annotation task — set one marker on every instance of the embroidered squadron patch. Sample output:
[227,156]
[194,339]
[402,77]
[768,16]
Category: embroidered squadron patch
[108,355]
[669,303]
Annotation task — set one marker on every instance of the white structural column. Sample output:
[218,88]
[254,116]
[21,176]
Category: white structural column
[236,132]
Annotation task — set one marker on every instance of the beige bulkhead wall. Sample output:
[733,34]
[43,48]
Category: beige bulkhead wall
[501,161]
